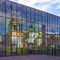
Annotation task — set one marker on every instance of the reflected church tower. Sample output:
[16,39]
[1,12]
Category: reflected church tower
[15,33]
[13,25]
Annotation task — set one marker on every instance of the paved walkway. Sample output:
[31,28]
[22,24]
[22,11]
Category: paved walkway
[31,57]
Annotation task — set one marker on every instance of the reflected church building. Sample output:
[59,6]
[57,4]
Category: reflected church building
[21,38]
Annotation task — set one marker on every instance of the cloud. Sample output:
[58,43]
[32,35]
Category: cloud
[44,5]
[58,7]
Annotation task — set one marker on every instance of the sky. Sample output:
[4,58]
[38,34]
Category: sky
[50,6]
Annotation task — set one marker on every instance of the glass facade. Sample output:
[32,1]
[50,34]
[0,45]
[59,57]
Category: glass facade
[24,30]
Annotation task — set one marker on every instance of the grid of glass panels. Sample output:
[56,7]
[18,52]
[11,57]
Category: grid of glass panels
[24,30]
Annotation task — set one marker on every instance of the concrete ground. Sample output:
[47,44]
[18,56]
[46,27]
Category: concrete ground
[31,57]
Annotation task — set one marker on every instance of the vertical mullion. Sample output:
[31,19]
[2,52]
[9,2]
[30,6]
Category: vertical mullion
[57,37]
[59,33]
[26,28]
[16,31]
[22,26]
[11,28]
[5,27]
[38,31]
[52,36]
[47,32]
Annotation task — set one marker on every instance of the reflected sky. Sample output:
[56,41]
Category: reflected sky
[25,26]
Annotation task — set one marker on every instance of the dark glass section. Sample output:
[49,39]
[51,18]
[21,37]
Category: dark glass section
[32,15]
[2,36]
[18,11]
[2,7]
[28,14]
[36,16]
[14,10]
[8,9]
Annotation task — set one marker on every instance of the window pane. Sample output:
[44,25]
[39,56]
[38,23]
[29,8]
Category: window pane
[8,9]
[2,36]
[2,7]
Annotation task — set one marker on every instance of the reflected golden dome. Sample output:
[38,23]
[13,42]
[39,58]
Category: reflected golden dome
[18,34]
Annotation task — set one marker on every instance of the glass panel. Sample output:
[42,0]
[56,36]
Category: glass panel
[31,34]
[58,37]
[20,37]
[14,9]
[36,16]
[2,7]
[28,14]
[8,37]
[40,18]
[2,25]
[18,11]
[32,15]
[8,9]
[2,36]
[23,11]
[45,18]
